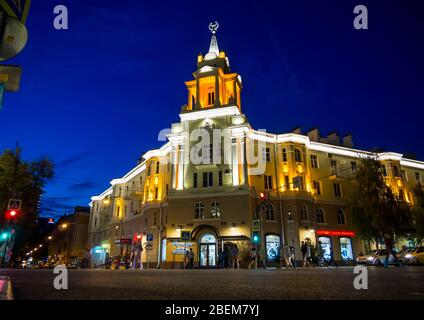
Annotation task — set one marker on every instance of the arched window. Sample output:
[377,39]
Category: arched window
[320,216]
[269,211]
[341,217]
[215,210]
[304,213]
[284,155]
[200,211]
[297,155]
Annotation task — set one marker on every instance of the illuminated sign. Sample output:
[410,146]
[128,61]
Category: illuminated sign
[335,233]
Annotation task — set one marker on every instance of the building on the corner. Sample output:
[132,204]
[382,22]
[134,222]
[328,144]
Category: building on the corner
[69,237]
[307,177]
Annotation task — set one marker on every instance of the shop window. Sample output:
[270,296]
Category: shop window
[326,247]
[346,248]
[272,246]
[164,249]
[341,217]
[200,211]
[215,210]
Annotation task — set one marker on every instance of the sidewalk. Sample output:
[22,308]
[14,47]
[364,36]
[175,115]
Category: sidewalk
[6,292]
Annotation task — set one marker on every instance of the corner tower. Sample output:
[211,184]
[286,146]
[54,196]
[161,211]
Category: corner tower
[214,84]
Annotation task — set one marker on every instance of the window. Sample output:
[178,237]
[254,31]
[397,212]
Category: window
[353,166]
[341,217]
[195,180]
[215,210]
[156,193]
[395,171]
[333,166]
[95,221]
[267,182]
[266,155]
[337,190]
[211,98]
[304,213]
[289,215]
[320,216]
[157,167]
[297,155]
[287,182]
[284,155]
[269,212]
[384,172]
[207,179]
[220,178]
[346,248]
[272,247]
[118,211]
[404,176]
[314,161]
[200,211]
[316,186]
[418,177]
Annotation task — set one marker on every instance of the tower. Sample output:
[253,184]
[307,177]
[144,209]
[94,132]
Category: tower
[214,84]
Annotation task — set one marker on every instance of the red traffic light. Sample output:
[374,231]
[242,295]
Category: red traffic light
[12,214]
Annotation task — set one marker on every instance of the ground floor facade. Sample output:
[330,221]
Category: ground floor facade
[211,225]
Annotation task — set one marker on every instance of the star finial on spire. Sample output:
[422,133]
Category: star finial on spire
[213,48]
[213,27]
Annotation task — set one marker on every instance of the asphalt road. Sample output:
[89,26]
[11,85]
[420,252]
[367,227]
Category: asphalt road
[315,283]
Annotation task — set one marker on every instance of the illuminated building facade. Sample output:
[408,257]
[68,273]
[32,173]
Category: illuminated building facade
[306,178]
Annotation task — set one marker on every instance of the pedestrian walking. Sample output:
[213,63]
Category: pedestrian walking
[293,254]
[136,253]
[253,257]
[234,257]
[304,251]
[226,257]
[190,259]
[285,256]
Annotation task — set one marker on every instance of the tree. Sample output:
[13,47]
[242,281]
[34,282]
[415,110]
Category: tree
[24,180]
[418,211]
[376,211]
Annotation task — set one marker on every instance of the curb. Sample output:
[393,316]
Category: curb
[6,292]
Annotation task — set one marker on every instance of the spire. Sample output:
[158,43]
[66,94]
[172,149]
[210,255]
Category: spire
[213,48]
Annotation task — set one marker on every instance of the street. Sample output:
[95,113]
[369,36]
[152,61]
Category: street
[315,283]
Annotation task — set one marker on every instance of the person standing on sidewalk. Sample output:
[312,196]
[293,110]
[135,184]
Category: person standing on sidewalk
[234,257]
[136,252]
[190,259]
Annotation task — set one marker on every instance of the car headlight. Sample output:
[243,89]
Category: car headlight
[370,258]
[408,256]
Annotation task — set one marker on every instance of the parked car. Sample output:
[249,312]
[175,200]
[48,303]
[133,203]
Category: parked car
[375,257]
[416,256]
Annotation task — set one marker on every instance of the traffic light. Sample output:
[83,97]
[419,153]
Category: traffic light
[12,214]
[4,236]
[256,238]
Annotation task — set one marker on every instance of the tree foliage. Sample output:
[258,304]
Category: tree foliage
[418,211]
[377,212]
[24,180]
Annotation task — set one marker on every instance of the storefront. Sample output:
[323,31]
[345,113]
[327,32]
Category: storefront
[337,244]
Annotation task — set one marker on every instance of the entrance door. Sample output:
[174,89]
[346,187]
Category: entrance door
[207,251]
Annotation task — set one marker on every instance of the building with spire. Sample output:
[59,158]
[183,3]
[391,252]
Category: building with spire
[217,183]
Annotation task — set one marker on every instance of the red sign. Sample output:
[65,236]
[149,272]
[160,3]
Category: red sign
[336,233]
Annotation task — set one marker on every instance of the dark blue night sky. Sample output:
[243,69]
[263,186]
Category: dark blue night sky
[93,98]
